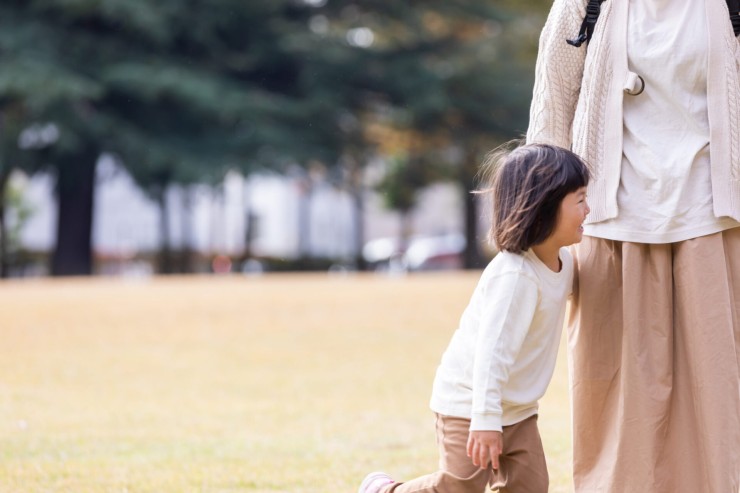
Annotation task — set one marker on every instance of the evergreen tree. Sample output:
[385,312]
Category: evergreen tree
[178,92]
[182,90]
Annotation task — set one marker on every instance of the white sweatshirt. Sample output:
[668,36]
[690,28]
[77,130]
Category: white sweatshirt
[502,357]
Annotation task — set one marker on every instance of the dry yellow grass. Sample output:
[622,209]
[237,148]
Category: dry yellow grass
[285,383]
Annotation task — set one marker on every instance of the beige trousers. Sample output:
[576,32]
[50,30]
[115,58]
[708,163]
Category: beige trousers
[655,366]
[522,464]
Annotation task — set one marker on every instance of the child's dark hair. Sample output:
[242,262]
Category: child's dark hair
[528,184]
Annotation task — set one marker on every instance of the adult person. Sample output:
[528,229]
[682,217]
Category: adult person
[652,104]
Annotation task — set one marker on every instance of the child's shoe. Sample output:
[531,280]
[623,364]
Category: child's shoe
[375,482]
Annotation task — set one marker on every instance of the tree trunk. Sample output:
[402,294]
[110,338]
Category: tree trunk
[75,191]
[250,222]
[304,217]
[405,230]
[358,216]
[353,182]
[4,261]
[186,248]
[165,259]
[472,258]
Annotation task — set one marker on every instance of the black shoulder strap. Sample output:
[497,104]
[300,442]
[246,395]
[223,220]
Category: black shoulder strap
[734,7]
[593,9]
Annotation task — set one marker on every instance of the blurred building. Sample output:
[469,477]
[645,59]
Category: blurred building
[269,215]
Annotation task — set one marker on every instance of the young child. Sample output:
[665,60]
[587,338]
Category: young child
[502,357]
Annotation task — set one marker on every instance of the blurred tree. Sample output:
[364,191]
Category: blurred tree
[182,90]
[459,74]
[455,75]
[178,92]
[399,187]
[35,76]
[17,210]
[16,131]
[8,147]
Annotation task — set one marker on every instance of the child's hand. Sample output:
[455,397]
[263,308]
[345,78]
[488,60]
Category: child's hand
[485,446]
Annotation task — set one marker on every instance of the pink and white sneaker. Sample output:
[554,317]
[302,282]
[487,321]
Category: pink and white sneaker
[375,482]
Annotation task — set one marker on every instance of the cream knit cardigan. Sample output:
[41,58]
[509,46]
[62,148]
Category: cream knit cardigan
[577,101]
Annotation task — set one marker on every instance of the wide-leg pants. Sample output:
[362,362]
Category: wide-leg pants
[654,345]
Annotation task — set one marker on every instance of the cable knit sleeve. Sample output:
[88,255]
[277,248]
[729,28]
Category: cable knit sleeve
[558,75]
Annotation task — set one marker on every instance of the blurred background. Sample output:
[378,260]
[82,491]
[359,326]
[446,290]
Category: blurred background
[141,137]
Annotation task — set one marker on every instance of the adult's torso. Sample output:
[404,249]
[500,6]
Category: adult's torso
[665,190]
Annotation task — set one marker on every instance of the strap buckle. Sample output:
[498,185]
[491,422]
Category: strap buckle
[578,41]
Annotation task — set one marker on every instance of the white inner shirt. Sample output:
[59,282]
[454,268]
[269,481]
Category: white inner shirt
[665,190]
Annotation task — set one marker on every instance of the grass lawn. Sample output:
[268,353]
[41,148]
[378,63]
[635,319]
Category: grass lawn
[282,383]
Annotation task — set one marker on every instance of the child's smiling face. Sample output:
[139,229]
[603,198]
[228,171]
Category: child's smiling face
[571,214]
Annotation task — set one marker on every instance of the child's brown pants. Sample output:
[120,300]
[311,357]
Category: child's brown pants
[523,468]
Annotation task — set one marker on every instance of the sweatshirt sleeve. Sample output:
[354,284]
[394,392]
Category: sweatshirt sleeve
[504,324]
[558,75]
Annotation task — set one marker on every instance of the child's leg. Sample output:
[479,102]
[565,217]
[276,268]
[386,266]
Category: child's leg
[523,466]
[457,473]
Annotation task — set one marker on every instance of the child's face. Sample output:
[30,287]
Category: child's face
[573,211]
